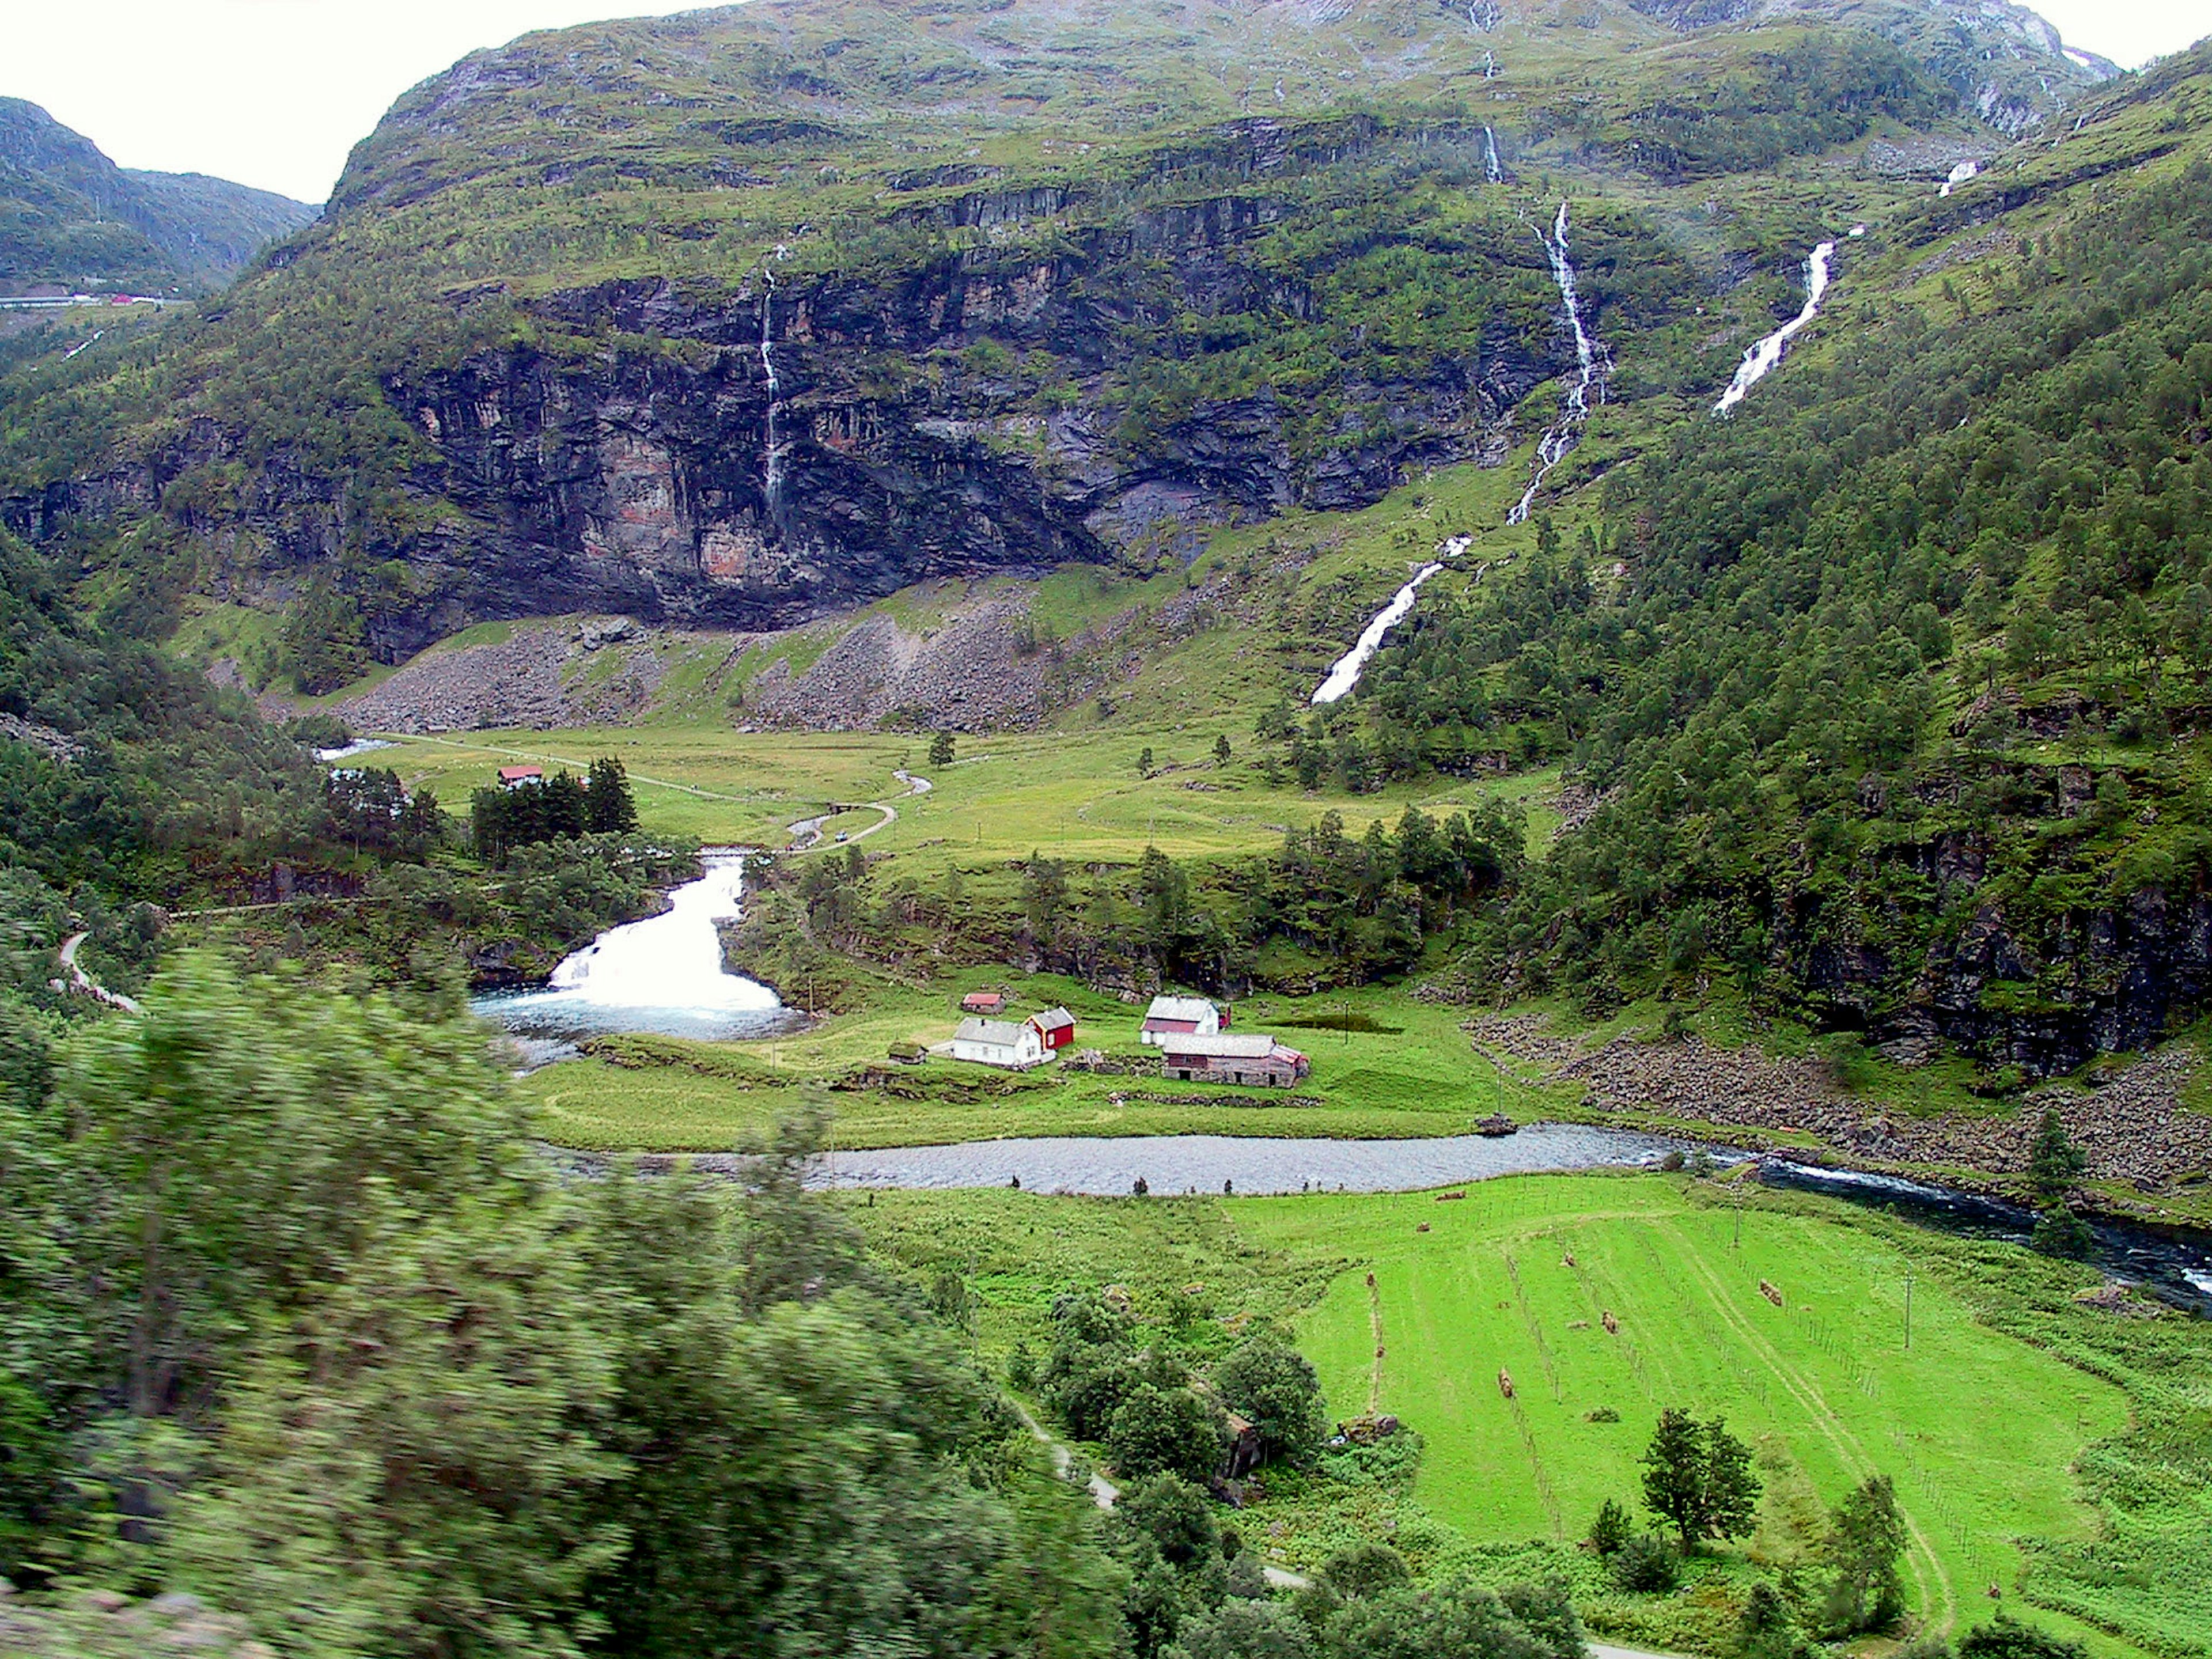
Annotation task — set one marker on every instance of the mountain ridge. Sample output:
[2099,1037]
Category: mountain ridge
[69,214]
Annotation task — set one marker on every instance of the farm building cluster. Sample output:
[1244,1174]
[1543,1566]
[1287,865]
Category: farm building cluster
[1191,1036]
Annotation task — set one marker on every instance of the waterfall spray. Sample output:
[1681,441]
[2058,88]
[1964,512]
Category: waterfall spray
[772,458]
[1563,434]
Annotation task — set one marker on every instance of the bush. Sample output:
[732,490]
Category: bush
[2009,1638]
[1366,1570]
[1646,1566]
[2060,1232]
[1610,1532]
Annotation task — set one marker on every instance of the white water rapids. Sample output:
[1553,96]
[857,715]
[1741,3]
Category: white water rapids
[1768,352]
[664,974]
[1563,434]
[1345,673]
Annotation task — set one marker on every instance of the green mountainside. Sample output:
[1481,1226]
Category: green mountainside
[70,215]
[1866,697]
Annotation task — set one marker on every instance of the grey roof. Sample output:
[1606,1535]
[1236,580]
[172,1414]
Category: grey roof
[999,1033]
[1243,1045]
[1052,1019]
[1180,1008]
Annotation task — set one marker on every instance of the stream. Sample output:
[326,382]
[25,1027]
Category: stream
[1563,434]
[1763,355]
[663,974]
[2174,1265]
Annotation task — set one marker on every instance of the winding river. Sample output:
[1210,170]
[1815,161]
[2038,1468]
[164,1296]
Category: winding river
[662,974]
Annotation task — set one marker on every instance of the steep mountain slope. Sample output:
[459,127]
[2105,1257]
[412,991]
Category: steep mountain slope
[748,315]
[69,214]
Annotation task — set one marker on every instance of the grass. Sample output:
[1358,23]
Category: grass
[1418,1076]
[1823,1385]
[1073,795]
[1517,1278]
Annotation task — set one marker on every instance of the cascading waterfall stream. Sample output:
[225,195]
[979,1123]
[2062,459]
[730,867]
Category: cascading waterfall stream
[1959,175]
[1563,434]
[1763,357]
[664,974]
[1345,672]
[772,458]
[1490,161]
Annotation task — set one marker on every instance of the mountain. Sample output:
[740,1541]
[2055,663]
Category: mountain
[70,215]
[1874,700]
[1037,282]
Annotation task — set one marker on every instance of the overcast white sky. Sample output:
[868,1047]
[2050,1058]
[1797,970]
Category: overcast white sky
[274,92]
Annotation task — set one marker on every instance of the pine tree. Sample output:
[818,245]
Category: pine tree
[940,750]
[2055,1162]
[611,810]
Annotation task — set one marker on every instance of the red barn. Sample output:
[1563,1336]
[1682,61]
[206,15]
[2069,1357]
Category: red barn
[1055,1028]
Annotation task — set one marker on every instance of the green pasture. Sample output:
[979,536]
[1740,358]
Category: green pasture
[1978,1429]
[1411,1072]
[1076,795]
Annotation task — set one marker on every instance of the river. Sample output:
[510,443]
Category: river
[1111,1167]
[663,974]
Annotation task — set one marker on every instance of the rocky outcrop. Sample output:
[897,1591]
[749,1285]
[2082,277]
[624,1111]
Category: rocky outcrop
[2041,997]
[2133,1127]
[784,445]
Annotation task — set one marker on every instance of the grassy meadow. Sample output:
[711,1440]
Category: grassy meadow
[1402,1068]
[1981,1430]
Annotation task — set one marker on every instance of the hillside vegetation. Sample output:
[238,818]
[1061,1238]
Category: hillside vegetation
[70,215]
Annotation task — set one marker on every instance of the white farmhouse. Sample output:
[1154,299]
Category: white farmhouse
[1180,1017]
[1015,1046]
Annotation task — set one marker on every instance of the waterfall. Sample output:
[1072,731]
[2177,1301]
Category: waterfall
[1563,434]
[1959,174]
[1490,161]
[1768,352]
[772,458]
[1345,672]
[664,974]
[1489,65]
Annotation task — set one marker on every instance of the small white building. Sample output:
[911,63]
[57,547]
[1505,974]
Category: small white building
[1180,1017]
[1016,1046]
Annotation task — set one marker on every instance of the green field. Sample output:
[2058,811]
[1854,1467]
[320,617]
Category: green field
[1072,796]
[1415,1072]
[1517,1278]
[1980,1429]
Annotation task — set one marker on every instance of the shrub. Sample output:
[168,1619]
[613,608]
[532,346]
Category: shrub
[1610,1531]
[1646,1566]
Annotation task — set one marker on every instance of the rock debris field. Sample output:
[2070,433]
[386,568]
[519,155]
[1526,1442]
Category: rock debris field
[2134,1127]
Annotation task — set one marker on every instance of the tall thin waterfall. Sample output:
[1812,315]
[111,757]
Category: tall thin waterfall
[1490,162]
[1563,434]
[772,459]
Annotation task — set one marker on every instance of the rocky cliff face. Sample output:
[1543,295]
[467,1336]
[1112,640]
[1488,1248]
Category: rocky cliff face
[793,444]
[2038,992]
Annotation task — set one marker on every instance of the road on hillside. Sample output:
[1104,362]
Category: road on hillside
[85,982]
